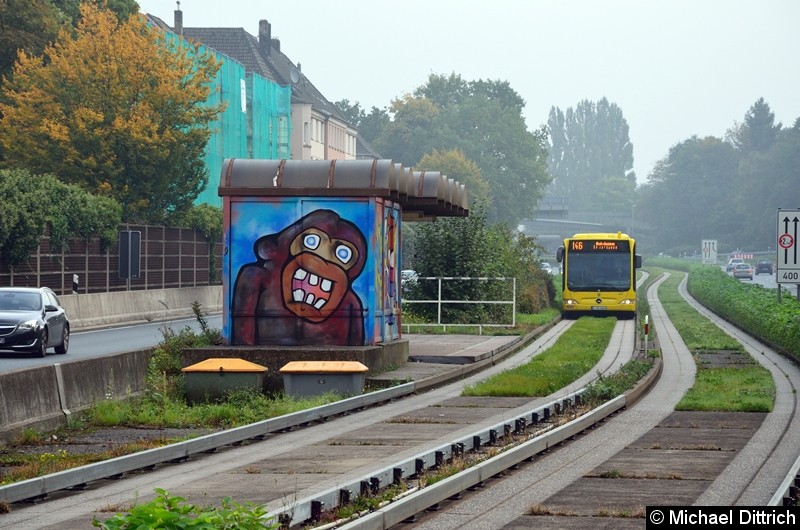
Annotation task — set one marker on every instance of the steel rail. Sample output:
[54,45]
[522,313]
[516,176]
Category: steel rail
[39,487]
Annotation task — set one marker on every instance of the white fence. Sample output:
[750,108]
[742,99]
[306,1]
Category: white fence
[439,302]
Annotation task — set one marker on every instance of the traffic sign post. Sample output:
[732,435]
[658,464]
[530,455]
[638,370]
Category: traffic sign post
[787,262]
[709,249]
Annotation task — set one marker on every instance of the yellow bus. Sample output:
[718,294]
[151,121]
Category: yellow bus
[598,275]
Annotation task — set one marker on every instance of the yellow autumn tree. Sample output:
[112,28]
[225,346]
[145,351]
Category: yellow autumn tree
[116,108]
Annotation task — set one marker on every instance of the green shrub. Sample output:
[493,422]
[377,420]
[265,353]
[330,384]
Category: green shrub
[168,513]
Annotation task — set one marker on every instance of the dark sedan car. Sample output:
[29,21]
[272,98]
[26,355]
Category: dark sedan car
[32,320]
[764,265]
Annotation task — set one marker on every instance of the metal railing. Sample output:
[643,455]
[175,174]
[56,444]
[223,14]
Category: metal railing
[439,302]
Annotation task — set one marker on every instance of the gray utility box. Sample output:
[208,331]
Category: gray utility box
[312,378]
[214,378]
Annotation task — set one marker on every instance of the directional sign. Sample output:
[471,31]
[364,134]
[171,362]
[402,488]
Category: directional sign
[788,258]
[709,249]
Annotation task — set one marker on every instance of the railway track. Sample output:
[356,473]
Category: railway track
[547,493]
[389,443]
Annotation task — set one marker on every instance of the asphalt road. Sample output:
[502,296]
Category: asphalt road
[100,342]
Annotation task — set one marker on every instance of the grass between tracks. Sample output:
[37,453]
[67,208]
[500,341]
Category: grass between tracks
[728,378]
[574,354]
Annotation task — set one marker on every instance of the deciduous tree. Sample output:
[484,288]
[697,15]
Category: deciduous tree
[369,125]
[589,148]
[454,164]
[117,109]
[758,132]
[31,201]
[32,24]
[26,25]
[690,195]
[483,120]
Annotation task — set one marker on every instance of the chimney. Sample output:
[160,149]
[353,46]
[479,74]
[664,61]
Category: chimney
[264,36]
[178,29]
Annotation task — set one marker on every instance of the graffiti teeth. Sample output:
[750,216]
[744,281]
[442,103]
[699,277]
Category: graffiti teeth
[311,289]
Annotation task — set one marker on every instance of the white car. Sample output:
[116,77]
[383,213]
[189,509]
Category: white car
[408,275]
[732,263]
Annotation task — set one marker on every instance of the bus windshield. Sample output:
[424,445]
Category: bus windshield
[598,272]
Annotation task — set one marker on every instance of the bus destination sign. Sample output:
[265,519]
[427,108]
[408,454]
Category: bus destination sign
[598,245]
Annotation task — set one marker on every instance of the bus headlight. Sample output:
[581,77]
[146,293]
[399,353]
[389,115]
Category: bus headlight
[570,302]
[627,302]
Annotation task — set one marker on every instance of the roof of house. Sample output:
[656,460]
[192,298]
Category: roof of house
[237,44]
[261,55]
[365,150]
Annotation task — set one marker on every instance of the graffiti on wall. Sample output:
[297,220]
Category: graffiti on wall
[298,290]
[390,260]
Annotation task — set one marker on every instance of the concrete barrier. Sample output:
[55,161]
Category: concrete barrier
[29,399]
[107,309]
[44,398]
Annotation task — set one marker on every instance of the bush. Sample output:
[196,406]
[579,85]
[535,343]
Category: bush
[168,513]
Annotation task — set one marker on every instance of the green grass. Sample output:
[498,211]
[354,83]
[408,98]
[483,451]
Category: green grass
[746,388]
[239,408]
[698,332]
[24,466]
[573,355]
[730,389]
[538,319]
[611,386]
[525,323]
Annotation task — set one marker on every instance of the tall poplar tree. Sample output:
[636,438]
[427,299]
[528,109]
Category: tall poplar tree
[591,155]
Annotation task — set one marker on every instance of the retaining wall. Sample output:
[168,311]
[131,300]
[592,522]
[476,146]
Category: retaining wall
[107,309]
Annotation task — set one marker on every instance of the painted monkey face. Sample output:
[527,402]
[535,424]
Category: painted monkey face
[315,277]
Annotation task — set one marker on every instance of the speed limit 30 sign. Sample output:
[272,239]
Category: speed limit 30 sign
[788,261]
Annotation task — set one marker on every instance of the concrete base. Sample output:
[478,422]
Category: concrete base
[378,358]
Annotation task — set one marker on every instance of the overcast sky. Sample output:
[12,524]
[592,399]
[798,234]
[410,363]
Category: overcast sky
[676,68]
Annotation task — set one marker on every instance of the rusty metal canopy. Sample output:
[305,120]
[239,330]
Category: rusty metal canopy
[422,195]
